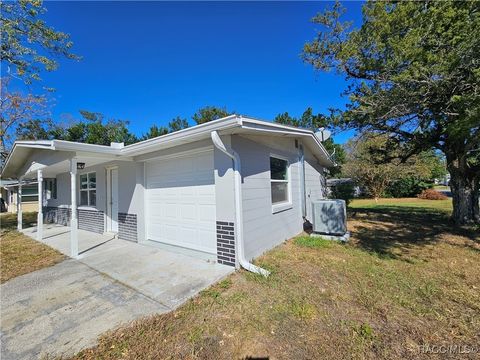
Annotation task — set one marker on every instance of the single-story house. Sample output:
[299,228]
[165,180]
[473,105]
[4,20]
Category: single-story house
[29,195]
[230,189]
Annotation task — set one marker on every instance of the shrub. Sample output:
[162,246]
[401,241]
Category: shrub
[407,187]
[344,191]
[431,194]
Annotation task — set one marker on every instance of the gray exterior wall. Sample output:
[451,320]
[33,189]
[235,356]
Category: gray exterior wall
[263,228]
[130,198]
[315,183]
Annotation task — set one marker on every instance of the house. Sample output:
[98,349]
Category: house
[334,182]
[9,190]
[229,189]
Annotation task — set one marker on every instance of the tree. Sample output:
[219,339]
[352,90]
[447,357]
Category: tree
[177,123]
[29,45]
[313,122]
[37,129]
[91,129]
[17,107]
[366,166]
[307,121]
[210,113]
[154,132]
[413,70]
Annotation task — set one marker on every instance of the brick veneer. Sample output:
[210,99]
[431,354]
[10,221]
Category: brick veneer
[226,243]
[127,226]
[91,220]
[57,215]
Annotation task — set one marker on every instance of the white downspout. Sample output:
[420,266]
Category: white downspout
[238,205]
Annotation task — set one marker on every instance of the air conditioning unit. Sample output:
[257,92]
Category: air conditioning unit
[330,217]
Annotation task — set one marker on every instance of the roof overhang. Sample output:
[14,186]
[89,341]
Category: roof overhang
[19,162]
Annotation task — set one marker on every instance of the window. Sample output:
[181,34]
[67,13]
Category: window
[50,188]
[29,193]
[279,180]
[88,189]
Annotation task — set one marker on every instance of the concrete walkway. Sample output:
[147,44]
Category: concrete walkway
[62,309]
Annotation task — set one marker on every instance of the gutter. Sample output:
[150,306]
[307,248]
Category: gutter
[217,142]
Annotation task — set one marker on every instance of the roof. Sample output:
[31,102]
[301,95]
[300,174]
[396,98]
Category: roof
[233,124]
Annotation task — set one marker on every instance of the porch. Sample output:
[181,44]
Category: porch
[58,237]
[170,278]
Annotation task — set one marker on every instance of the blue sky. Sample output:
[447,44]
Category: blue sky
[148,62]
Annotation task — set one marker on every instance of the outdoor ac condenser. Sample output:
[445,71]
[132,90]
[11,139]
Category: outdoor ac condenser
[329,217]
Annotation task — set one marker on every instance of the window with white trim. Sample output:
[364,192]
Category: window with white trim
[88,189]
[279,180]
[29,193]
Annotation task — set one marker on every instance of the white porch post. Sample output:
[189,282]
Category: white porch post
[73,218]
[40,205]
[19,205]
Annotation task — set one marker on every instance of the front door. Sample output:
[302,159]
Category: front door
[112,200]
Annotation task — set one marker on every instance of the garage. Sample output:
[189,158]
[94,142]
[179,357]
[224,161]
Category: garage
[180,200]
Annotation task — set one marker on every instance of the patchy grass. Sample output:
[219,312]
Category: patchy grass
[8,221]
[407,278]
[20,255]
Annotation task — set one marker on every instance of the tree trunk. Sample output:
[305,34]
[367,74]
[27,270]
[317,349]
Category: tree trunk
[465,191]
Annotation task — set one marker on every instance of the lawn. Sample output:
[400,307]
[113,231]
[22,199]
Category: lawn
[407,279]
[18,253]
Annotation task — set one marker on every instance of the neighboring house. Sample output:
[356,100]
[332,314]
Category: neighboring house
[29,194]
[229,189]
[4,194]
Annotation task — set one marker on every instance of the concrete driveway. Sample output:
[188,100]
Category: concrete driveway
[63,309]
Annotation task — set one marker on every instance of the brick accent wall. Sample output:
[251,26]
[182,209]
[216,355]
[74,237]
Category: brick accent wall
[127,226]
[91,220]
[226,243]
[57,215]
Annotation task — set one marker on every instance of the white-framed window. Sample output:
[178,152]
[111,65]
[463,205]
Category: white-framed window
[30,193]
[279,182]
[88,189]
[50,188]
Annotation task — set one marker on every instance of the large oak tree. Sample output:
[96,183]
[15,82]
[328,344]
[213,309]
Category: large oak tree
[413,70]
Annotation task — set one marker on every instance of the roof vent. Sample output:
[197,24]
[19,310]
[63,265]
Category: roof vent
[117,145]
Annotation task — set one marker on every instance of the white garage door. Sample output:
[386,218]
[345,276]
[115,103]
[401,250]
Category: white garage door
[181,201]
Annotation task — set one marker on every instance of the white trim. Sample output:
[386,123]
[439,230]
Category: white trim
[285,205]
[109,207]
[145,207]
[86,207]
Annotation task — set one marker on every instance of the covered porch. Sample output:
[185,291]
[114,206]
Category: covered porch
[170,278]
[58,237]
[42,162]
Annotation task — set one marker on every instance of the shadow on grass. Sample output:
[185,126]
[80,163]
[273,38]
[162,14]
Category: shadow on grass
[391,231]
[8,221]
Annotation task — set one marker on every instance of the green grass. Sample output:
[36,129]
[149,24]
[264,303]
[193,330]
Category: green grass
[404,204]
[312,242]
